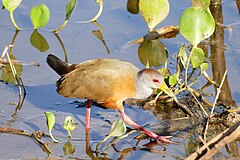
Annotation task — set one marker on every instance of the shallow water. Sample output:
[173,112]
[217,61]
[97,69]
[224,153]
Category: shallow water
[119,27]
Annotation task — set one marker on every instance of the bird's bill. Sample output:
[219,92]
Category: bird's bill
[165,89]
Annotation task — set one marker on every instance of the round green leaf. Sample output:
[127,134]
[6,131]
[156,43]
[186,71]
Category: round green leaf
[11,5]
[40,16]
[197,57]
[154,11]
[152,52]
[71,5]
[196,24]
[38,41]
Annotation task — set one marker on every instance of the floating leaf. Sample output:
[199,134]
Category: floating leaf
[153,52]
[197,57]
[201,3]
[133,6]
[38,41]
[154,11]
[7,74]
[69,124]
[40,16]
[71,5]
[11,5]
[203,67]
[196,24]
[50,120]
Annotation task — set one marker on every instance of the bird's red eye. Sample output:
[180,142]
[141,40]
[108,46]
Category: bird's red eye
[155,80]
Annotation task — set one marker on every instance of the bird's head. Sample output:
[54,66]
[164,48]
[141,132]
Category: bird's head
[149,79]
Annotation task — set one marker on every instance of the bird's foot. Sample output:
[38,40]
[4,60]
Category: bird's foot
[165,139]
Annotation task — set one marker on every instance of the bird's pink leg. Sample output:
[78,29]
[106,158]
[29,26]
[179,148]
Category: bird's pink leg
[129,121]
[88,111]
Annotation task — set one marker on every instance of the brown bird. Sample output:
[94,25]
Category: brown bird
[108,82]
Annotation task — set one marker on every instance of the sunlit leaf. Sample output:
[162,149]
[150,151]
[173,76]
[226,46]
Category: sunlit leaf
[7,74]
[153,52]
[40,16]
[196,24]
[71,5]
[69,124]
[11,5]
[173,79]
[38,41]
[183,56]
[201,3]
[197,57]
[50,120]
[154,11]
[133,6]
[203,67]
[68,148]
[118,128]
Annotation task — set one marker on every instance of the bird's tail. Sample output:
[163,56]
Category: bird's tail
[58,65]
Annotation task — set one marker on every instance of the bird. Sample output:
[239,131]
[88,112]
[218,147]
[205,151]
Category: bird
[108,82]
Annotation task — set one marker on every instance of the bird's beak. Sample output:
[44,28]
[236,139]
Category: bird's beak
[165,89]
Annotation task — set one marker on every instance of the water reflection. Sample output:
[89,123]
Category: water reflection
[218,56]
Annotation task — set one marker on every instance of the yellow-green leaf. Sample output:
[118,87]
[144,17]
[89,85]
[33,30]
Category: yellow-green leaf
[11,5]
[40,16]
[154,11]
[197,57]
[196,24]
[71,5]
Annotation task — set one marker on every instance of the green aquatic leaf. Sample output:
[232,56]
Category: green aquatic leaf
[153,52]
[118,128]
[201,3]
[197,57]
[50,120]
[11,5]
[203,67]
[38,41]
[69,124]
[154,11]
[71,5]
[173,79]
[133,6]
[196,24]
[40,16]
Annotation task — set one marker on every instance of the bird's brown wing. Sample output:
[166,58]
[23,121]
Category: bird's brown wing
[103,80]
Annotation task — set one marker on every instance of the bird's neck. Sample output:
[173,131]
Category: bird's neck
[143,91]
